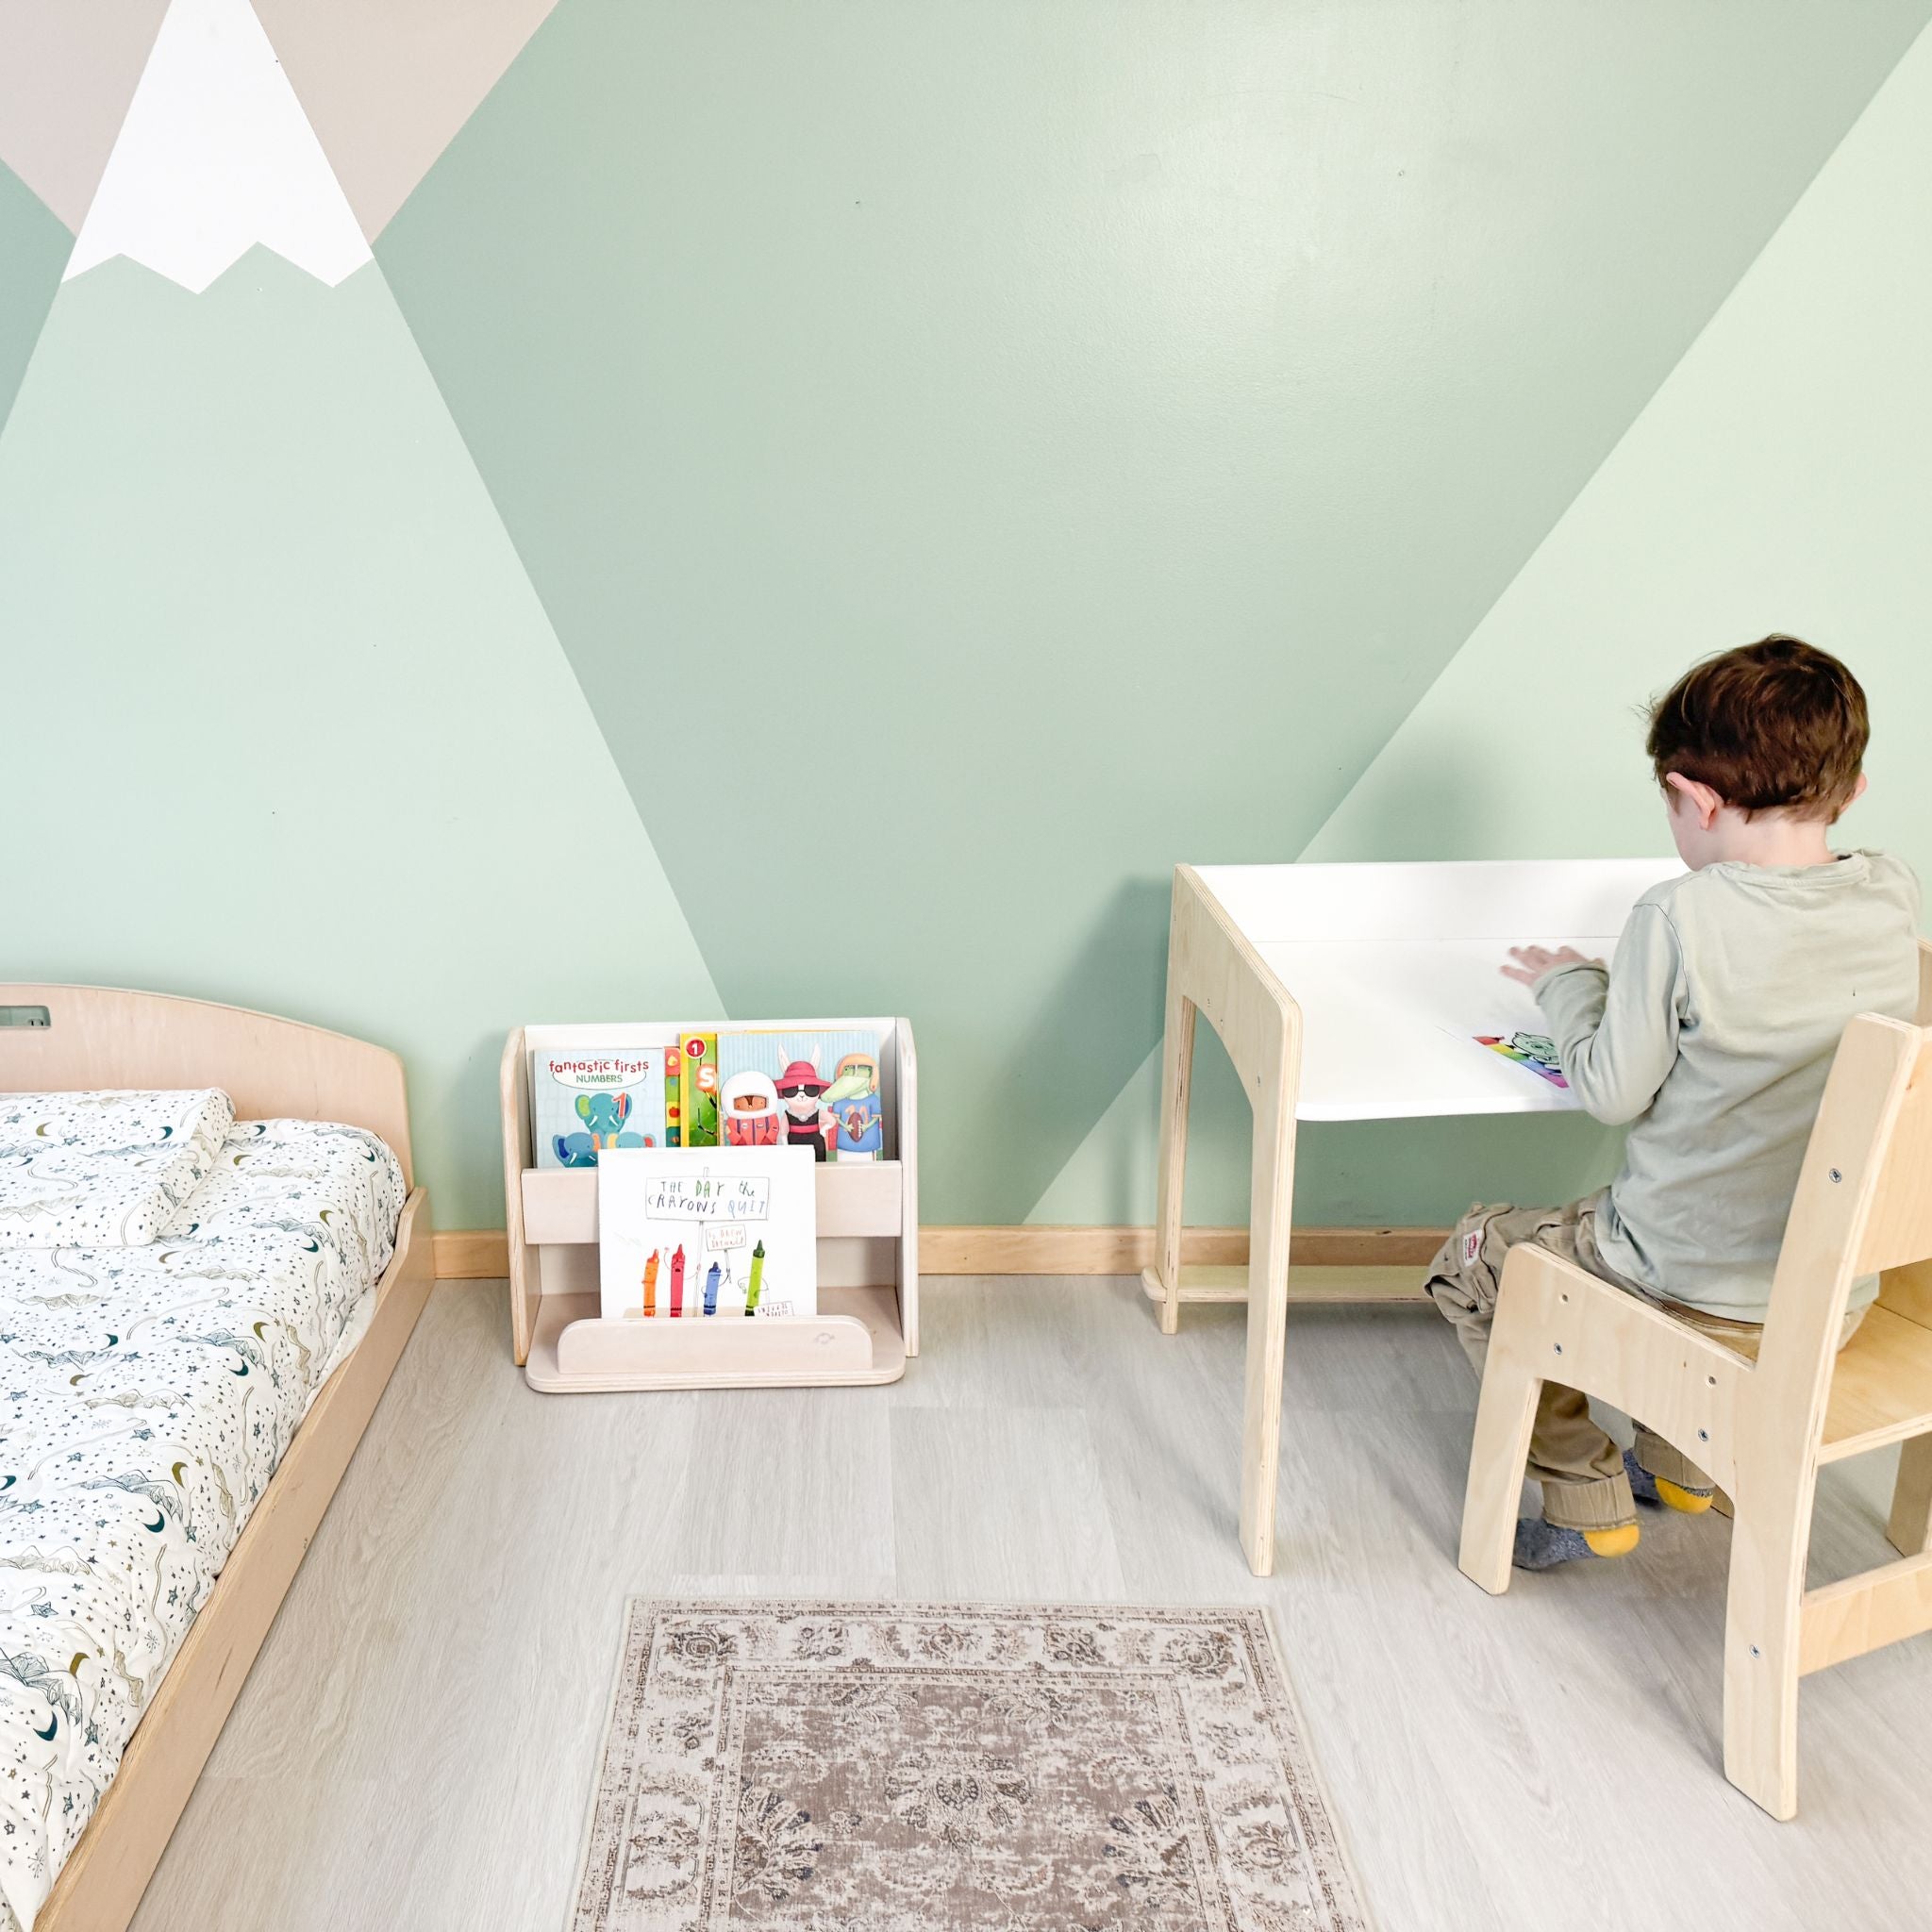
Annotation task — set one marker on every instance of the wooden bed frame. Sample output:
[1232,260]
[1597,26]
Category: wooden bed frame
[97,1037]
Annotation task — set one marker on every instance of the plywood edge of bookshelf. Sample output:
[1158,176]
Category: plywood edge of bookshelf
[756,1355]
[863,1199]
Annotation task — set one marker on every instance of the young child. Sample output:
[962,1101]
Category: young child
[1712,1034]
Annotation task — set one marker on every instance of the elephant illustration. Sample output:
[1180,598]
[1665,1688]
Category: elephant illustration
[603,1115]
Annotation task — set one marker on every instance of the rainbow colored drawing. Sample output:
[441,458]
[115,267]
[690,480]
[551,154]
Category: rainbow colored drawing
[1531,1050]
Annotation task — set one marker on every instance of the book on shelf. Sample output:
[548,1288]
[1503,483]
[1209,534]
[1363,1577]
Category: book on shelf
[697,1110]
[706,1234]
[815,1088]
[674,1094]
[586,1101]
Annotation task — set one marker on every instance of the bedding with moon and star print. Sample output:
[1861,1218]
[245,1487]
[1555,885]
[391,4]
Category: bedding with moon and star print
[147,1395]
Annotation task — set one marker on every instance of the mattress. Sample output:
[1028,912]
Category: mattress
[147,1395]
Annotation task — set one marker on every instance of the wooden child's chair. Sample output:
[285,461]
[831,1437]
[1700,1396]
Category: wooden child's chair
[1863,1206]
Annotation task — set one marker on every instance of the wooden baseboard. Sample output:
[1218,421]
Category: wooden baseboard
[480,1254]
[1033,1250]
[472,1253]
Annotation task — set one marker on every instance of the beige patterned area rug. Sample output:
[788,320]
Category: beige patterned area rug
[790,1767]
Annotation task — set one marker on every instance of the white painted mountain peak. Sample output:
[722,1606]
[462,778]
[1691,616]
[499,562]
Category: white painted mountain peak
[214,157]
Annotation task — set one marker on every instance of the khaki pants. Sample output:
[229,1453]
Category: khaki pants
[1580,1468]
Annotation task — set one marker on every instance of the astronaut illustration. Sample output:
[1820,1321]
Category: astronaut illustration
[748,1111]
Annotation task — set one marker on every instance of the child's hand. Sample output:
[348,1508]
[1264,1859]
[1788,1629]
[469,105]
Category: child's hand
[1532,962]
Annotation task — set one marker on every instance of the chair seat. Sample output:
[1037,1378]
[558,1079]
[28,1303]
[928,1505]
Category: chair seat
[1881,1388]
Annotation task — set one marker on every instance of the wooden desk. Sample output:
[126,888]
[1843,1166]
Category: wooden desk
[1347,992]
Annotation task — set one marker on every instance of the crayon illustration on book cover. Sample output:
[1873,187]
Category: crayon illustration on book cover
[585,1101]
[703,1235]
[1533,1051]
[815,1088]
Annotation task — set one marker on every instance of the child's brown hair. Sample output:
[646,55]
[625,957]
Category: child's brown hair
[1777,725]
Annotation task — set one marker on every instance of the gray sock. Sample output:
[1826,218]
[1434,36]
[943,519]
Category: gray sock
[1643,1484]
[1542,1546]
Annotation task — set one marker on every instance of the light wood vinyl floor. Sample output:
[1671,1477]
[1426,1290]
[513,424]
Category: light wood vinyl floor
[415,1745]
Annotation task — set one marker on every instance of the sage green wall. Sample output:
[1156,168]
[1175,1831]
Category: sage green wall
[301,736]
[33,250]
[1059,440]
[1022,447]
[1781,478]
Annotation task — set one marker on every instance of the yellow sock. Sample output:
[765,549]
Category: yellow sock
[1691,1502]
[1612,1542]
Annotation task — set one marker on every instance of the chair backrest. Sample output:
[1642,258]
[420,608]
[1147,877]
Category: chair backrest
[1863,1205]
[1898,1226]
[1907,1289]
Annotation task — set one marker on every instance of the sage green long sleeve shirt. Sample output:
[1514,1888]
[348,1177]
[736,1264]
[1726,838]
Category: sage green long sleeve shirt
[1713,1032]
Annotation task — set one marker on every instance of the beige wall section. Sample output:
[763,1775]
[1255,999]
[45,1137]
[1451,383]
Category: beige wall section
[67,72]
[386,83]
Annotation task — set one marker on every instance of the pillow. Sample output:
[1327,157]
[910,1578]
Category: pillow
[104,1170]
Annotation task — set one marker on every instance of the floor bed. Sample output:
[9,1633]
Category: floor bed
[95,1038]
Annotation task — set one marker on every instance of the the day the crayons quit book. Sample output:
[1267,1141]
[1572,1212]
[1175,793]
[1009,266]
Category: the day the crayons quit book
[704,1235]
[587,1100]
[814,1088]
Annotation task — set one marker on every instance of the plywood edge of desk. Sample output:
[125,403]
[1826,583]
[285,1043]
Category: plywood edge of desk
[1205,1282]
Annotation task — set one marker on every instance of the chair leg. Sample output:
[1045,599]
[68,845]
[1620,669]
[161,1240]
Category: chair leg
[1762,1624]
[1909,1531]
[1505,1414]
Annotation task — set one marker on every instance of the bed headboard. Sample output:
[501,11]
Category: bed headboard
[98,1036]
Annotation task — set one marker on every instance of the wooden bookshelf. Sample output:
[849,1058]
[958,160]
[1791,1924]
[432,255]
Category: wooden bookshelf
[868,1243]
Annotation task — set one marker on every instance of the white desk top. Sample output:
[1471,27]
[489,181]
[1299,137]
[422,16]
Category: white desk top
[1396,969]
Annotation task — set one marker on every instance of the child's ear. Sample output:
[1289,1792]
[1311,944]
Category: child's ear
[1699,799]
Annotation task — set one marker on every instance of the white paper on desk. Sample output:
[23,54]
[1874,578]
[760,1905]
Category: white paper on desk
[703,1233]
[1514,1031]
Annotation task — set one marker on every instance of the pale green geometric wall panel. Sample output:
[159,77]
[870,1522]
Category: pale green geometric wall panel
[1780,479]
[1041,443]
[33,250]
[302,737]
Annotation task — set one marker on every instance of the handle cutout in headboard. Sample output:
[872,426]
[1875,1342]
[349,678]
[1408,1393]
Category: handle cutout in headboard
[25,1016]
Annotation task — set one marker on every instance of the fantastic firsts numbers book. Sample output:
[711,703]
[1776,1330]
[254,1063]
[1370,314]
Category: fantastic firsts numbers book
[587,1101]
[706,1234]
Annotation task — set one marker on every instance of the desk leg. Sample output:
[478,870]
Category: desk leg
[1269,1221]
[1176,1077]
